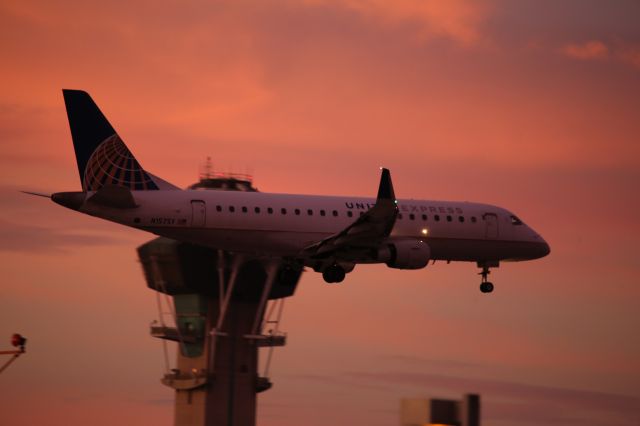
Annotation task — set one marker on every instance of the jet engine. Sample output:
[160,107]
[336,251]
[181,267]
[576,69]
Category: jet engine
[405,254]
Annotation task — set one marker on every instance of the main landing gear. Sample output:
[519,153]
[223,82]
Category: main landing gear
[485,286]
[334,274]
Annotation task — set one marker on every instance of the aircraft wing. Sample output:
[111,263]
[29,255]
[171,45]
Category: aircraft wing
[367,232]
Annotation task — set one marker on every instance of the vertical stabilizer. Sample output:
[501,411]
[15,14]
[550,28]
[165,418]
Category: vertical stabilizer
[102,157]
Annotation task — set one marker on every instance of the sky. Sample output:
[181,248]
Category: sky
[528,105]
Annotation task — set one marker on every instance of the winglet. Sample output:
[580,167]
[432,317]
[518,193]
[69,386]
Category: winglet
[385,191]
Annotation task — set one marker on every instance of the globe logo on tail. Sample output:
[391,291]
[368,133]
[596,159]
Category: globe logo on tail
[113,164]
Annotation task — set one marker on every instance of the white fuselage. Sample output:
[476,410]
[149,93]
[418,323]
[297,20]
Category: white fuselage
[283,224]
[329,234]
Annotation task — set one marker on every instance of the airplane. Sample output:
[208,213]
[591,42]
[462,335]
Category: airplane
[329,234]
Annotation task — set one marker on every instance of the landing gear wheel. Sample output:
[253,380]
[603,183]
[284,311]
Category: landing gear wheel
[334,274]
[486,287]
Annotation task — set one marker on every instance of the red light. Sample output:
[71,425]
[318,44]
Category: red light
[18,340]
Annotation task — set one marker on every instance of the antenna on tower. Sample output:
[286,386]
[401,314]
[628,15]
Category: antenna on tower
[207,169]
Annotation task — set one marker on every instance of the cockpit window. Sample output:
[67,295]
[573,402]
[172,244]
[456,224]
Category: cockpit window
[515,221]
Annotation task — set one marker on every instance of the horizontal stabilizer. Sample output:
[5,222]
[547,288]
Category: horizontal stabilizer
[114,196]
[38,194]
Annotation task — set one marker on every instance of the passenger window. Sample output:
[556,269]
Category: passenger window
[412,216]
[269,210]
[437,218]
[449,218]
[361,214]
[473,219]
[350,213]
[335,212]
[297,211]
[219,208]
[461,219]
[424,217]
[257,209]
[399,215]
[232,209]
[283,210]
[310,212]
[322,212]
[244,209]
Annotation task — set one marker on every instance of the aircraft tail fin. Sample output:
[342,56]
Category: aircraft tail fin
[102,157]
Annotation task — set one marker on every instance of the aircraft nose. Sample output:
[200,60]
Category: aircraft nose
[544,249]
[540,248]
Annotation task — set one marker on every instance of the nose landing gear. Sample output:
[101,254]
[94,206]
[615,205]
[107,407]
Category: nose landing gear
[485,286]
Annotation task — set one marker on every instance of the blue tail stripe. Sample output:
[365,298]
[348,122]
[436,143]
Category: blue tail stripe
[89,127]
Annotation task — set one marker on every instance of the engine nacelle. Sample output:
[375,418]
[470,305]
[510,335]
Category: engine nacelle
[405,254]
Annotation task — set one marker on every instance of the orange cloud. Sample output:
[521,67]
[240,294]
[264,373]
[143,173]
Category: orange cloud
[593,49]
[615,51]
[459,20]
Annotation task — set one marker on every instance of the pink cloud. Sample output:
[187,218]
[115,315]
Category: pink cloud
[459,20]
[589,50]
[616,51]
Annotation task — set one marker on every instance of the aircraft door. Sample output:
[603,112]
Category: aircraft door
[198,213]
[491,225]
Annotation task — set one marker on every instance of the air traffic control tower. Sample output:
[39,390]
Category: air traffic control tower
[223,307]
